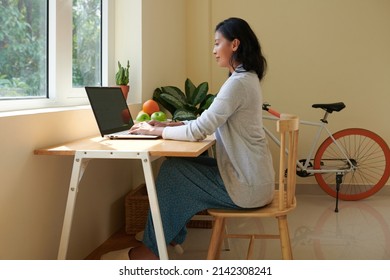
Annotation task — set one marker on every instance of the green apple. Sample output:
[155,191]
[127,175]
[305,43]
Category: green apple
[142,117]
[159,116]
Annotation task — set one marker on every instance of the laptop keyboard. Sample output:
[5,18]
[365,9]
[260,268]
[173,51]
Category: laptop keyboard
[124,132]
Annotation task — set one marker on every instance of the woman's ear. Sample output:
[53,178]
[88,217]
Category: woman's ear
[235,44]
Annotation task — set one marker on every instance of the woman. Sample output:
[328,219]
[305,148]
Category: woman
[242,174]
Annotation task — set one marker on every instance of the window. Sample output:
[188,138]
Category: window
[23,49]
[50,50]
[86,66]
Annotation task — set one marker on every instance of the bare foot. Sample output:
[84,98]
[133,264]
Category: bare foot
[142,253]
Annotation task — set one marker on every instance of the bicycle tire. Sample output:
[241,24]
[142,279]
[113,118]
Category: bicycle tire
[372,157]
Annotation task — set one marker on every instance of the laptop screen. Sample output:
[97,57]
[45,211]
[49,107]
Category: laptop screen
[110,109]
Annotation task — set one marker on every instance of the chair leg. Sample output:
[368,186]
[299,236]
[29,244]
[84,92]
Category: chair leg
[250,248]
[284,238]
[226,241]
[216,240]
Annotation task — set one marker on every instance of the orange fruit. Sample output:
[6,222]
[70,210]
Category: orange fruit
[150,106]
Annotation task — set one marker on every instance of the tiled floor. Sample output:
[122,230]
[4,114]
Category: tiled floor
[360,230]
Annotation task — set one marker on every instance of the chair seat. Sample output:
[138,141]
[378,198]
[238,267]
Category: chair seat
[270,210]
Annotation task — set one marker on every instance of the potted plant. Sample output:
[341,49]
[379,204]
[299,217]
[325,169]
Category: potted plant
[122,78]
[187,105]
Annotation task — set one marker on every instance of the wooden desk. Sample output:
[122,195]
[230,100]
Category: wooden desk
[100,148]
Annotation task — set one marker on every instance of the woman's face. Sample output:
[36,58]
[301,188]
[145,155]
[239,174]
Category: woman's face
[223,50]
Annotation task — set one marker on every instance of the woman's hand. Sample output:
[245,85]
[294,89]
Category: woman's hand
[152,127]
[145,128]
[158,124]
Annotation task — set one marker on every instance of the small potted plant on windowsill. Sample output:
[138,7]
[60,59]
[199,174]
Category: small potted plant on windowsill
[122,78]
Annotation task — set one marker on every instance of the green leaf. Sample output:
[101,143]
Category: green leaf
[172,100]
[189,90]
[157,97]
[190,107]
[176,92]
[200,93]
[206,103]
[183,115]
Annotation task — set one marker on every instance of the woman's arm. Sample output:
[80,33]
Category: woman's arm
[164,124]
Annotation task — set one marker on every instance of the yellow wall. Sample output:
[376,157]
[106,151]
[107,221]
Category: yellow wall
[152,35]
[33,189]
[318,51]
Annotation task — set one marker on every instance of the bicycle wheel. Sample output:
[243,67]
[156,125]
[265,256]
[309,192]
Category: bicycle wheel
[367,151]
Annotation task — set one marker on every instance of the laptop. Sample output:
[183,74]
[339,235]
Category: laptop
[112,113]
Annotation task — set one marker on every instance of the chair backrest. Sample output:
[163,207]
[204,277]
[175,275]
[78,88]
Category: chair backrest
[288,127]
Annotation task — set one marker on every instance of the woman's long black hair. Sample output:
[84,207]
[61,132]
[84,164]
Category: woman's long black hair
[249,51]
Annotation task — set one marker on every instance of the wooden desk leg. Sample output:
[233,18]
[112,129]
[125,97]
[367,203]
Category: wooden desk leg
[154,206]
[79,166]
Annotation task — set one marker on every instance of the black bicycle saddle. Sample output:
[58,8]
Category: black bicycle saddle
[330,107]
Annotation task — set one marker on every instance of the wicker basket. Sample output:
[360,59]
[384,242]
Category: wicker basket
[201,223]
[137,208]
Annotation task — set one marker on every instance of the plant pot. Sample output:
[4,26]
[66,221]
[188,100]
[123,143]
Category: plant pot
[125,90]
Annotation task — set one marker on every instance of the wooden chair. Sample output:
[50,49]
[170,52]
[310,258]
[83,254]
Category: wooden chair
[283,202]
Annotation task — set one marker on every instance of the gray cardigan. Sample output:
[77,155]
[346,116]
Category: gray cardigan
[242,152]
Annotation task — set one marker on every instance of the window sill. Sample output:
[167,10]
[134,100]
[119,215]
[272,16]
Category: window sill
[43,111]
[49,110]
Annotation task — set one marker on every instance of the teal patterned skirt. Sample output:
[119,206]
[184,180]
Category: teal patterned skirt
[185,186]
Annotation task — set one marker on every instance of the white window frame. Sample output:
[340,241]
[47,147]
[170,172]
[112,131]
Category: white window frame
[61,92]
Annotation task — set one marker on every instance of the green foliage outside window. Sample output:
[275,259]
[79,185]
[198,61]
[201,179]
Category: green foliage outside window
[23,57]
[24,43]
[86,43]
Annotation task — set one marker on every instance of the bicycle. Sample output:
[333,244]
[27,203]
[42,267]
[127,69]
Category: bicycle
[357,156]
